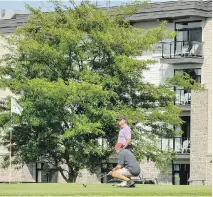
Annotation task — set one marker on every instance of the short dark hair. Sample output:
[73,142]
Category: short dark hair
[121,118]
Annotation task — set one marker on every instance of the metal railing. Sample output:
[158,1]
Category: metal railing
[182,97]
[181,49]
[181,145]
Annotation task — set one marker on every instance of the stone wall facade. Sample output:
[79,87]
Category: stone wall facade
[201,116]
[209,170]
[207,81]
[25,174]
[199,160]
[28,174]
[207,75]
[150,171]
[84,177]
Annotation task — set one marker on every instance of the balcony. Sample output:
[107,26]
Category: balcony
[183,99]
[181,145]
[181,52]
[183,96]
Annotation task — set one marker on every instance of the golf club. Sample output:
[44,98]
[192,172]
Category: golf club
[103,176]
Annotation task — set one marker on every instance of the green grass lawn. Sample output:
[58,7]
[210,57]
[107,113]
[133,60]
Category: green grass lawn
[63,189]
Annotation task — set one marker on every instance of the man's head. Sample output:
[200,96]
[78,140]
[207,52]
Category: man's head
[122,121]
[118,147]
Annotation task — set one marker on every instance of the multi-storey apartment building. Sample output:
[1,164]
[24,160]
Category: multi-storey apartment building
[189,52]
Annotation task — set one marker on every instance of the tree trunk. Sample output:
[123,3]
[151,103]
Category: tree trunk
[62,174]
[73,174]
[71,177]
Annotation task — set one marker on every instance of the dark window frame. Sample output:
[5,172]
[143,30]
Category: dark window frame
[182,69]
[40,170]
[179,171]
[180,22]
[187,90]
[185,29]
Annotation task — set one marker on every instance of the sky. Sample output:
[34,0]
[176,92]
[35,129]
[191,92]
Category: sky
[46,6]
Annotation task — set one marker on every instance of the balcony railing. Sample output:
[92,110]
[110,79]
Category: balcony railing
[182,97]
[182,49]
[180,145]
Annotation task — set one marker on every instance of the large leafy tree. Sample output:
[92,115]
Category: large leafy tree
[75,70]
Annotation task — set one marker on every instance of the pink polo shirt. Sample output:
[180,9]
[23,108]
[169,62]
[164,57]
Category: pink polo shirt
[124,134]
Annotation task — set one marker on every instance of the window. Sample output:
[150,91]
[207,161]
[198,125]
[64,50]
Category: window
[186,127]
[181,174]
[188,25]
[188,38]
[189,31]
[39,168]
[183,96]
[194,73]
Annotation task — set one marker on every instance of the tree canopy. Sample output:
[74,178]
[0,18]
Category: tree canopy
[75,70]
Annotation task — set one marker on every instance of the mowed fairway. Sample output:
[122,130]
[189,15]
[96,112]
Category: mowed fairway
[71,189]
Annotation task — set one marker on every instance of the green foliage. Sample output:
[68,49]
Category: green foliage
[75,71]
[184,81]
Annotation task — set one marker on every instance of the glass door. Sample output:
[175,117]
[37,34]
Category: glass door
[181,174]
[188,37]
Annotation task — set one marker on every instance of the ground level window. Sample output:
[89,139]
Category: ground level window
[180,174]
[45,177]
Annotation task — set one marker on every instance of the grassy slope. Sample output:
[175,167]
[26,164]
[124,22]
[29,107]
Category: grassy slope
[54,189]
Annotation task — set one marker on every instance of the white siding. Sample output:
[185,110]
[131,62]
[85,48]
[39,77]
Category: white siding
[3,51]
[158,72]
[153,24]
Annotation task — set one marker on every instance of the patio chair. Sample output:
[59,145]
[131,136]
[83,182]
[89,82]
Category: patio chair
[185,147]
[185,50]
[180,98]
[193,51]
[187,98]
[178,146]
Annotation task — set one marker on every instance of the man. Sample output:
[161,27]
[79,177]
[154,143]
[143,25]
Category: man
[127,166]
[124,133]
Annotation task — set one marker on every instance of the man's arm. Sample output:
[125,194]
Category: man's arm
[119,166]
[127,134]
[120,163]
[127,142]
